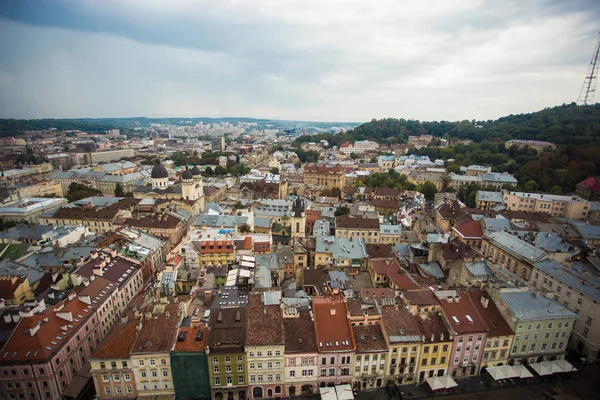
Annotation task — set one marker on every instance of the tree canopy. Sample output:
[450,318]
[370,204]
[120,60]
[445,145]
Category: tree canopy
[78,191]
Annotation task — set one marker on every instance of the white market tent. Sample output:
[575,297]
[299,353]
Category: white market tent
[448,381]
[340,392]
[441,382]
[522,372]
[328,393]
[344,392]
[564,365]
[435,383]
[542,368]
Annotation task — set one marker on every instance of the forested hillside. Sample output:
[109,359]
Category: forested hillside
[575,130]
[566,124]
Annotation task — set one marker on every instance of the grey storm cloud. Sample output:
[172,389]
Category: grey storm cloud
[310,59]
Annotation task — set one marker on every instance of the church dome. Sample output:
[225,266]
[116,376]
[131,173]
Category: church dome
[187,174]
[159,171]
[196,171]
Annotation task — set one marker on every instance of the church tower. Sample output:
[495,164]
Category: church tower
[298,218]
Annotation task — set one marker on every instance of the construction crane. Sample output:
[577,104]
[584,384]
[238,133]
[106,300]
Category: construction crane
[586,95]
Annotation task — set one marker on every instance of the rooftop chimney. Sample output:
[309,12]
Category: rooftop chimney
[332,311]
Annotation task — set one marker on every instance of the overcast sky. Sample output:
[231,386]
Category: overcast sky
[326,60]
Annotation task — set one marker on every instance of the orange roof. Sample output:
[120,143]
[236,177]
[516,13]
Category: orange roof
[190,343]
[119,341]
[214,246]
[332,324]
[465,314]
[54,329]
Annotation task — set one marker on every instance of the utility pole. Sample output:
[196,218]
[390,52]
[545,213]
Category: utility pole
[586,95]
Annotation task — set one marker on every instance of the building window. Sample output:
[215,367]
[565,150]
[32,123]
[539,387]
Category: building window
[241,380]
[107,390]
[217,381]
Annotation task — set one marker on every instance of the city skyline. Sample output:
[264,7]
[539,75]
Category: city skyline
[295,61]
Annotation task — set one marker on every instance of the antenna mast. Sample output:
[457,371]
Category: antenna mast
[586,95]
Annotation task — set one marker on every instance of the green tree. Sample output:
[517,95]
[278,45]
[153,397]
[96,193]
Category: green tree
[275,171]
[354,156]
[531,186]
[556,190]
[78,191]
[342,210]
[373,160]
[428,189]
[453,168]
[245,228]
[220,170]
[128,194]
[119,192]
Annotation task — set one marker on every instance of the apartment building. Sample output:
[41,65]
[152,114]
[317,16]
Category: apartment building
[47,351]
[300,351]
[340,253]
[403,339]
[437,344]
[167,225]
[486,200]
[542,326]
[125,274]
[331,177]
[335,340]
[468,332]
[371,356]
[150,354]
[265,347]
[366,229]
[209,251]
[510,252]
[499,337]
[577,288]
[227,364]
[110,364]
[96,213]
[572,207]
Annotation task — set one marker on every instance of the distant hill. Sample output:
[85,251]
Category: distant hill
[566,124]
[13,127]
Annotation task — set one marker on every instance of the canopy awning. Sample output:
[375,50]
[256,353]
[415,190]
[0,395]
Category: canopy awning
[435,383]
[542,368]
[522,372]
[441,382]
[564,365]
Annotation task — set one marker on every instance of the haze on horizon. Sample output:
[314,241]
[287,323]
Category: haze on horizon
[319,60]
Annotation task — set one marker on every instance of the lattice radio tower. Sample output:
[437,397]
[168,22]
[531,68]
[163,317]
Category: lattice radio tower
[586,96]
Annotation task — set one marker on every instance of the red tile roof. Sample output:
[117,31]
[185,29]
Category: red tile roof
[490,315]
[348,222]
[299,332]
[119,341]
[324,169]
[591,183]
[265,323]
[470,230]
[460,309]
[190,344]
[332,324]
[369,339]
[398,322]
[45,343]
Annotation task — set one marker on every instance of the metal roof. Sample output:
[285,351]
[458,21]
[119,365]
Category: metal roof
[527,306]
[576,276]
[515,246]
[479,269]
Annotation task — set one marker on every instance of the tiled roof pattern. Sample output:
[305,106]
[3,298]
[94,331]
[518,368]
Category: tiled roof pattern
[265,323]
